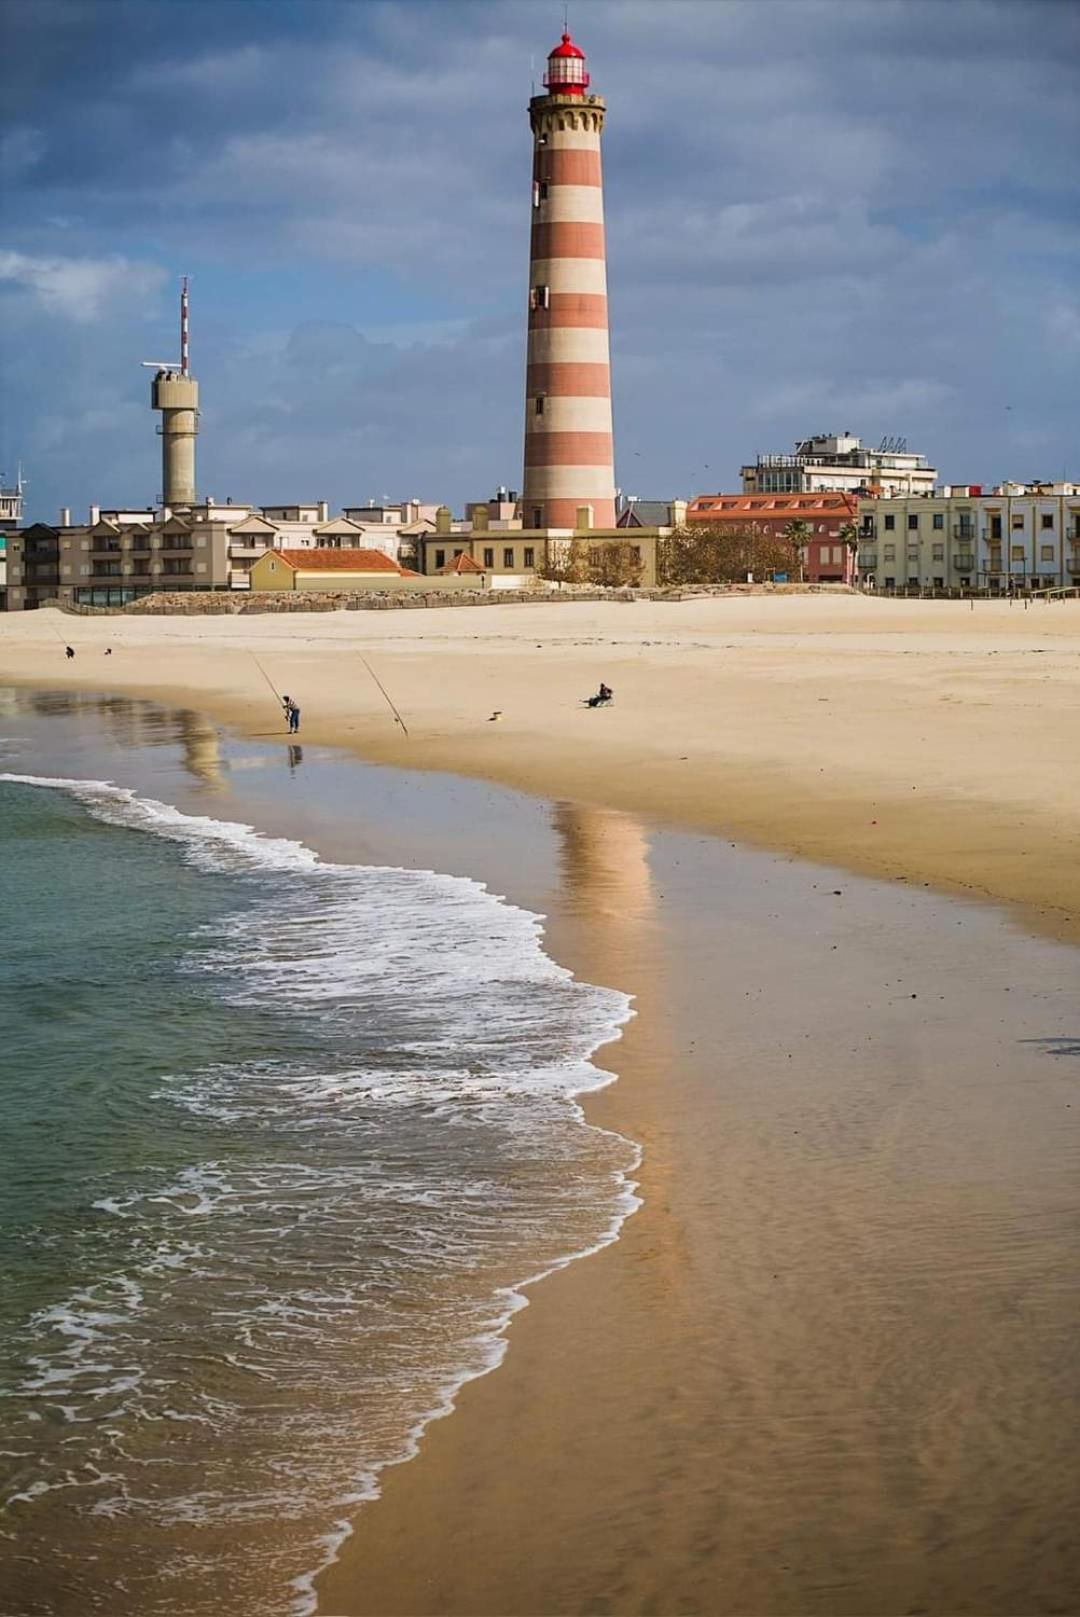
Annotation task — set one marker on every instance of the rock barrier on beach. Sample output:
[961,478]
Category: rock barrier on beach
[204,603]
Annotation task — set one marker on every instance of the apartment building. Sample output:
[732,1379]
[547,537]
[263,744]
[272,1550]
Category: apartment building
[1019,537]
[839,463]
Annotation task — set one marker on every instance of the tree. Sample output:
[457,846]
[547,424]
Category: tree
[701,553]
[797,534]
[613,563]
[849,533]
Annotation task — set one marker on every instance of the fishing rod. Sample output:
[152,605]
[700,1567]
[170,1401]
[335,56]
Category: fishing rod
[278,696]
[386,694]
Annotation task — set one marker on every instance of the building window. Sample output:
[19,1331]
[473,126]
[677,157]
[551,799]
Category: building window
[939,520]
[890,552]
[538,406]
[540,297]
[538,517]
[1016,552]
[489,558]
[890,522]
[440,558]
[939,583]
[995,527]
[1018,524]
[1046,552]
[530,556]
[890,583]
[1046,520]
[508,556]
[913,523]
[939,553]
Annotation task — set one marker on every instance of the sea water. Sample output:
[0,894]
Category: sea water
[283,1141]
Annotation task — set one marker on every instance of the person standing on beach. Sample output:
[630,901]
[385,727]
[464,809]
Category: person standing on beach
[69,651]
[292,714]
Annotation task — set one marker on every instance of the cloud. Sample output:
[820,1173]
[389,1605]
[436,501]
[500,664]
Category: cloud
[80,288]
[858,209]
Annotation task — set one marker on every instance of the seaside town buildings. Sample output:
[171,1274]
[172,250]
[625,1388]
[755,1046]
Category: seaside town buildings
[117,556]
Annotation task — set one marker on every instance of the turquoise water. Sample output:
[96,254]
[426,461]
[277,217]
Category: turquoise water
[283,1138]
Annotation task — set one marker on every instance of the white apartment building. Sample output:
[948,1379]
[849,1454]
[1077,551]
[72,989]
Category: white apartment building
[1018,537]
[839,463]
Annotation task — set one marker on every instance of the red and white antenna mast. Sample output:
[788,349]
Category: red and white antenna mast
[185,348]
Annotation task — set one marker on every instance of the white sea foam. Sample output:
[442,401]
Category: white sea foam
[319,1290]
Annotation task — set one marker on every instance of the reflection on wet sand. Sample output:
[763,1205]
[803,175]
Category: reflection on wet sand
[604,859]
[132,723]
[202,749]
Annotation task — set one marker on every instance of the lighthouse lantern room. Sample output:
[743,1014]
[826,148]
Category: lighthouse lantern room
[566,73]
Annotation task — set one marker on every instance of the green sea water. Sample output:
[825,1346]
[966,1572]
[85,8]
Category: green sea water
[281,1140]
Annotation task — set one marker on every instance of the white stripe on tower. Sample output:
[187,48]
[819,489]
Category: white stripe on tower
[569,448]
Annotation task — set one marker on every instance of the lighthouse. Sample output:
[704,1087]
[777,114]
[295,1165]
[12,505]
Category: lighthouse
[569,450]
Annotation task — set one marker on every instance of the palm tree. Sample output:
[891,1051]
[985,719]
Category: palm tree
[849,533]
[797,535]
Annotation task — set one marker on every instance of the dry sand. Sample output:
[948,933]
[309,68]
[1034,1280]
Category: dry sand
[931,741]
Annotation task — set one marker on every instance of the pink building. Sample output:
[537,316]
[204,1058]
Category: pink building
[569,450]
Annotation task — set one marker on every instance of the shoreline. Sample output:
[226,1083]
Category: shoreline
[680,1425]
[993,810]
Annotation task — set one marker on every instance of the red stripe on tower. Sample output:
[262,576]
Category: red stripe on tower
[569,454]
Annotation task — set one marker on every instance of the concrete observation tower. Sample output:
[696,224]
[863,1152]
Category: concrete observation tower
[176,394]
[569,449]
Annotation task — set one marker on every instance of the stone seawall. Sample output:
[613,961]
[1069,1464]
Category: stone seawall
[203,603]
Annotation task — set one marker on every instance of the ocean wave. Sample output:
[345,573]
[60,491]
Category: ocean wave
[389,1172]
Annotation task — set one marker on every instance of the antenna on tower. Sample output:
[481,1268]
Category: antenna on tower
[185,351]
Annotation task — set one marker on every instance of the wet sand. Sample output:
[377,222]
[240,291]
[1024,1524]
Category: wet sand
[829,1367]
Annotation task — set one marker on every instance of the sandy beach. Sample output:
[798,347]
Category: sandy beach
[827,1368]
[929,741]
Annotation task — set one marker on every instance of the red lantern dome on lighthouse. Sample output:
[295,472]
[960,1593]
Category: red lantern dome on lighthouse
[566,73]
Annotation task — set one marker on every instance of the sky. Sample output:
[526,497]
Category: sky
[823,215]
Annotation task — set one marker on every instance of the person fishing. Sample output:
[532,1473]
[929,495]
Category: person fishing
[292,714]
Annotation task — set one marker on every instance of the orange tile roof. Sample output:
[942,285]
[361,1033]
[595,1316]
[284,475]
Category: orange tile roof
[461,564]
[749,503]
[337,561]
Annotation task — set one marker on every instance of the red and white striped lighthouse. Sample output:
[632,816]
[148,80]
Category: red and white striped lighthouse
[569,450]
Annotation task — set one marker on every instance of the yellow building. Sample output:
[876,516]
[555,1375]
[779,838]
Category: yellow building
[331,570]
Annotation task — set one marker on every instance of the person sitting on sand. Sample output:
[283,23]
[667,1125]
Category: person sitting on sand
[602,697]
[69,651]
